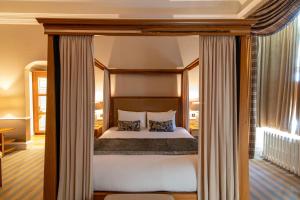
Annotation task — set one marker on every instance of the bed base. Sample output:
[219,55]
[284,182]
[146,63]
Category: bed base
[177,195]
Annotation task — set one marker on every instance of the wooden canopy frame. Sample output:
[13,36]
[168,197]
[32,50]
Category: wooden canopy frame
[111,71]
[180,71]
[149,27]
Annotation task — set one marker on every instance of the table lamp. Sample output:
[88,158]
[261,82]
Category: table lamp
[99,111]
[194,110]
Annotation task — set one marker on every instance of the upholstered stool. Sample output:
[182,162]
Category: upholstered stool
[139,197]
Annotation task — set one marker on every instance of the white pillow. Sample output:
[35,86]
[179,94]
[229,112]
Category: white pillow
[162,116]
[132,116]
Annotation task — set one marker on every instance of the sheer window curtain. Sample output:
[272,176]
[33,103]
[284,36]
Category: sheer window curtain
[185,96]
[106,100]
[271,17]
[277,84]
[218,161]
[76,117]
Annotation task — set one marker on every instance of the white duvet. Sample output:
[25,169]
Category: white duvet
[145,173]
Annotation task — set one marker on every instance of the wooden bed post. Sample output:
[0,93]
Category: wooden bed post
[50,168]
[245,58]
[182,99]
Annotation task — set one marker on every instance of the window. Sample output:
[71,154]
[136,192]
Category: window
[297,75]
[295,121]
[39,84]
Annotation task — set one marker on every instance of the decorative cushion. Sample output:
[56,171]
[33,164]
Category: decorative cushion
[129,125]
[161,126]
[162,116]
[132,116]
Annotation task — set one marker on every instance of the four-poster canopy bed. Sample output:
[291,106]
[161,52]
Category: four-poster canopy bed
[149,27]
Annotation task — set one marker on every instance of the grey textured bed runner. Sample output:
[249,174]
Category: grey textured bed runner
[133,146]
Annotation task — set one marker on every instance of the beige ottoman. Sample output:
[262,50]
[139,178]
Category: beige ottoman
[139,197]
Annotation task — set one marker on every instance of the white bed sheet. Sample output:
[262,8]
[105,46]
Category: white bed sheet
[145,173]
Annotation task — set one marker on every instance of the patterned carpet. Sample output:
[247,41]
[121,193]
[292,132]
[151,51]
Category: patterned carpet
[269,182]
[23,173]
[23,178]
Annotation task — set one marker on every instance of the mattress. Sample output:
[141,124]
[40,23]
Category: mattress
[145,173]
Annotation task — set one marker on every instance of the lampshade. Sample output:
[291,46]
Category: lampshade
[194,105]
[99,106]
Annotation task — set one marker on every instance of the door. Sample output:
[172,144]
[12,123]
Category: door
[39,91]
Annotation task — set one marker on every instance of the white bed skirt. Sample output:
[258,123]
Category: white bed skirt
[148,173]
[145,173]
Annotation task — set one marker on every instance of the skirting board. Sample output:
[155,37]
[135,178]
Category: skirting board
[21,145]
[176,195]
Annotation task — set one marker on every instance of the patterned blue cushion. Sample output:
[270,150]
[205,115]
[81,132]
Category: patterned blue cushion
[161,126]
[129,125]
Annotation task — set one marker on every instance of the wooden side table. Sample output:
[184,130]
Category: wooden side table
[98,129]
[194,127]
[4,142]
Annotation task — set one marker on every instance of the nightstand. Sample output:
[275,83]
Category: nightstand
[98,128]
[194,127]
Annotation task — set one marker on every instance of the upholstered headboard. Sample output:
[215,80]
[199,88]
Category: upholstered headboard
[151,104]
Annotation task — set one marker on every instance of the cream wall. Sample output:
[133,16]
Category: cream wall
[19,46]
[23,44]
[165,85]
[148,52]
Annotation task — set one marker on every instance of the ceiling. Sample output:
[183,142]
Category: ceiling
[25,11]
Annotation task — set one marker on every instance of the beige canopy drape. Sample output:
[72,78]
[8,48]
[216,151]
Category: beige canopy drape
[77,102]
[276,84]
[186,103]
[106,99]
[218,161]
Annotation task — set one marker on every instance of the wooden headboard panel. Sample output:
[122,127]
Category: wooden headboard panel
[150,104]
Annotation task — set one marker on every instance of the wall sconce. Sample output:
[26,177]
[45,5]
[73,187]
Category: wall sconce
[99,111]
[5,85]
